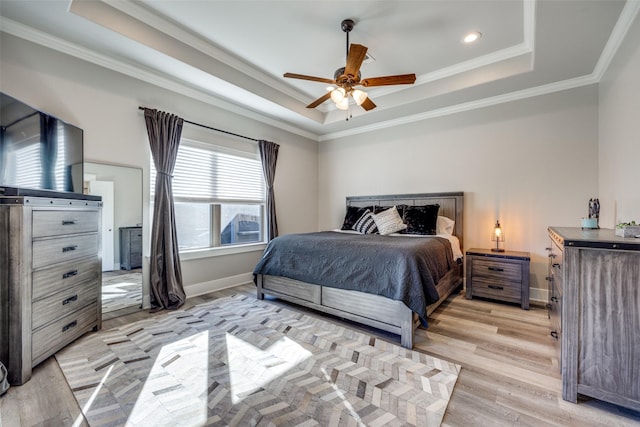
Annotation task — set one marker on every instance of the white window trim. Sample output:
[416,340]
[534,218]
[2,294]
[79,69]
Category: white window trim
[215,251]
[192,254]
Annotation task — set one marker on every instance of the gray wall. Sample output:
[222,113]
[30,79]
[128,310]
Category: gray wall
[530,163]
[105,104]
[620,134]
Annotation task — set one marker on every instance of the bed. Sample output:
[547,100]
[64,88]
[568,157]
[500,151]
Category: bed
[348,300]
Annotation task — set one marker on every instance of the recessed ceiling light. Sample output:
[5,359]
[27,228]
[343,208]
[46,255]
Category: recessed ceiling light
[472,37]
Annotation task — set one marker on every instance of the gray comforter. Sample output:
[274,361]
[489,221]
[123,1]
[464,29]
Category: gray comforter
[401,268]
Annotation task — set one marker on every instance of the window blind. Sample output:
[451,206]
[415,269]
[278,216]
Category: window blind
[215,175]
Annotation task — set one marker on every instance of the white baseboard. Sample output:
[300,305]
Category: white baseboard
[217,284]
[540,296]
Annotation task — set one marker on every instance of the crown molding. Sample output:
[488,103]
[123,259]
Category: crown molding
[177,32]
[38,37]
[468,106]
[625,20]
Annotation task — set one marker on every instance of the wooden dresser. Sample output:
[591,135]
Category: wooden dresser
[595,313]
[50,277]
[130,248]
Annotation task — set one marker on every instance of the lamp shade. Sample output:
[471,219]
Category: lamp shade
[344,104]
[337,95]
[359,96]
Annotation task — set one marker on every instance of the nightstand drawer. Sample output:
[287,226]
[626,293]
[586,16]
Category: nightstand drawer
[499,270]
[503,291]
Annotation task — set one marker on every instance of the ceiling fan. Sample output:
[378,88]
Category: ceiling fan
[348,77]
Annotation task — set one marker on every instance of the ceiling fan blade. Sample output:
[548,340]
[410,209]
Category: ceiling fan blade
[320,100]
[368,104]
[312,78]
[357,53]
[402,79]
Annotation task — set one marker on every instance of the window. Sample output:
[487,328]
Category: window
[219,196]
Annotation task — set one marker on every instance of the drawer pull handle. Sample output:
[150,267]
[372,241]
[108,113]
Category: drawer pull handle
[70,299]
[69,248]
[70,274]
[69,326]
[496,287]
[69,221]
[556,265]
[554,334]
[495,268]
[554,299]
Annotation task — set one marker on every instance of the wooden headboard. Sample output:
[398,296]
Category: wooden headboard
[451,204]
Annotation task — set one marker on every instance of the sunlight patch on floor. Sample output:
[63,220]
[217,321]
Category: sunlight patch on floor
[179,366]
[251,368]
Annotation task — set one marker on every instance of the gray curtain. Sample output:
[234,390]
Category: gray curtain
[269,158]
[164,132]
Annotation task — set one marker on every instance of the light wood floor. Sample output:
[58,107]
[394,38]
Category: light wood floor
[509,371]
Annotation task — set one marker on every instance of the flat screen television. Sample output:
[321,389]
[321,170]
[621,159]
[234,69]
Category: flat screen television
[38,151]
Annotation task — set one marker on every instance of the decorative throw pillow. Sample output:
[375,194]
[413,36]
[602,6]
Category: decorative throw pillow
[366,224]
[353,214]
[421,219]
[389,221]
[445,225]
[399,208]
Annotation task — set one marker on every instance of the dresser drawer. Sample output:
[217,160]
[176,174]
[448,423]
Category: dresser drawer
[51,338]
[59,277]
[63,303]
[63,249]
[501,290]
[47,223]
[501,270]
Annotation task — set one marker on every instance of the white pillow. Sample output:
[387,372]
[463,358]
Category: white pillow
[389,221]
[444,225]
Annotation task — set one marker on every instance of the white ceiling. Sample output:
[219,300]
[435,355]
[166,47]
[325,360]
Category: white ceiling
[233,53]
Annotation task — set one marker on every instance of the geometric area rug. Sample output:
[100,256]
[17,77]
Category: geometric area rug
[240,361]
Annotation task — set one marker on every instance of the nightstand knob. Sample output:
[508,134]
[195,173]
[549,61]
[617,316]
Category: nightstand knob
[547,249]
[554,299]
[554,334]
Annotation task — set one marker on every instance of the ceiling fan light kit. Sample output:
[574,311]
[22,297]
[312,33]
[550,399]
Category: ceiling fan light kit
[346,78]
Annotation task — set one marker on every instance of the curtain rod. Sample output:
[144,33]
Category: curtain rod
[210,128]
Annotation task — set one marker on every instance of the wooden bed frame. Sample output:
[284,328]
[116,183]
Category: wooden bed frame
[369,309]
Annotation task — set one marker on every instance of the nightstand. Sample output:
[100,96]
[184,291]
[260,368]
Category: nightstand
[501,276]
